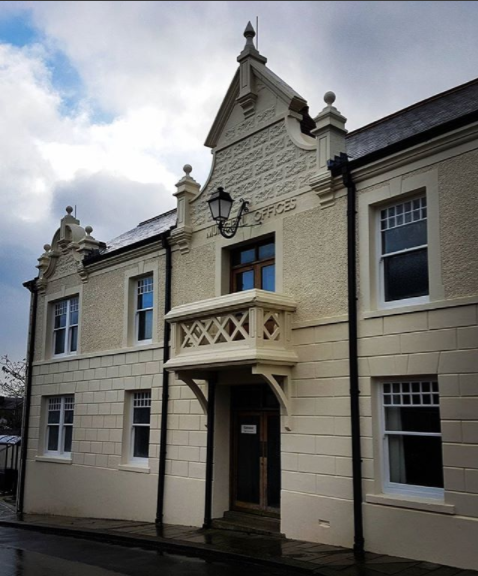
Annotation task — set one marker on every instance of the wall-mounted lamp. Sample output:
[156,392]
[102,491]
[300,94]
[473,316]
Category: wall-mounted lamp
[220,204]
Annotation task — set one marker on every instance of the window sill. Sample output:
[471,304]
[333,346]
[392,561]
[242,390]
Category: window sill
[425,504]
[54,459]
[432,305]
[134,468]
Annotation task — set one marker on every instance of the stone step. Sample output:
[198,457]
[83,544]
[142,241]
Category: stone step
[249,523]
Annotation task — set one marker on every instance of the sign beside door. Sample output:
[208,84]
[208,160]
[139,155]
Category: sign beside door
[248,429]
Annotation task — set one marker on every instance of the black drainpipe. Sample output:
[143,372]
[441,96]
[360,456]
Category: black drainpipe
[340,167]
[165,396]
[211,410]
[31,285]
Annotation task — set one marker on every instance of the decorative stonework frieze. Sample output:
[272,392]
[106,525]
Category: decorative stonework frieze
[264,166]
[70,244]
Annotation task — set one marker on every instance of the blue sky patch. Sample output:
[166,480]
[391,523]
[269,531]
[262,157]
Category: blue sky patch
[18,30]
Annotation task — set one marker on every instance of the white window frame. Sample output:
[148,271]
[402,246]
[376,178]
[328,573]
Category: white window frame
[68,326]
[140,399]
[64,403]
[138,311]
[380,257]
[396,488]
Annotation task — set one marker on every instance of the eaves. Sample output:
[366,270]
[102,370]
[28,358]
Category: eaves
[126,253]
[412,150]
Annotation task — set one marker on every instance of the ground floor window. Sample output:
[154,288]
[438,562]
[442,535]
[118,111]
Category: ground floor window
[412,438]
[140,426]
[59,432]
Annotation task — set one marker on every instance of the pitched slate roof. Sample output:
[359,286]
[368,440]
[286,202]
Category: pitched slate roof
[426,115]
[447,107]
[143,231]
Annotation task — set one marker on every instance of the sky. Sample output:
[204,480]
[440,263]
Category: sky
[102,103]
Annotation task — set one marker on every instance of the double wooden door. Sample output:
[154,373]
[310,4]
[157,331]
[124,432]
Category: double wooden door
[256,461]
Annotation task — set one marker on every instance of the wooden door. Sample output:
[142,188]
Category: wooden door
[256,461]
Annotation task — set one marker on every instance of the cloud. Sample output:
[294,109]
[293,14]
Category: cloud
[102,103]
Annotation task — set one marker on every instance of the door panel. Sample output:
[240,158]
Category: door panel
[248,473]
[256,461]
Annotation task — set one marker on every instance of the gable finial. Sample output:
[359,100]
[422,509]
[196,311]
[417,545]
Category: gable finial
[249,50]
[249,34]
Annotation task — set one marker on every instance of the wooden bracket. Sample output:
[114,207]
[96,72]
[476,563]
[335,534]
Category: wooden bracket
[195,388]
[282,393]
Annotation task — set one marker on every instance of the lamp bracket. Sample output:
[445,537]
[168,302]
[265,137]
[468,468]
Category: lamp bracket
[229,228]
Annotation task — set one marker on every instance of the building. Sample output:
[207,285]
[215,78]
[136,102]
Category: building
[281,393]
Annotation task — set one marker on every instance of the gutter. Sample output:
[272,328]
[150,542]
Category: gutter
[165,395]
[340,166]
[30,285]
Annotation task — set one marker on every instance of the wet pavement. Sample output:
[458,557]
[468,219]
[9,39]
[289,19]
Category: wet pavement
[24,553]
[262,554]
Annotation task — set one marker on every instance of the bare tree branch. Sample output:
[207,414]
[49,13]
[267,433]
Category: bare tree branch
[12,377]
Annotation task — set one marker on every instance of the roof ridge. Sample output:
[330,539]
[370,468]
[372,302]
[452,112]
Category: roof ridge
[157,217]
[412,106]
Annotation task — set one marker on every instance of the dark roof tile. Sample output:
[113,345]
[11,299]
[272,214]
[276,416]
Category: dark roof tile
[428,114]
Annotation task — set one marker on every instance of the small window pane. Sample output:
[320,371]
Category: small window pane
[268,278]
[410,419]
[416,460]
[60,321]
[53,416]
[145,300]
[141,415]
[404,237]
[68,438]
[60,341]
[245,280]
[74,339]
[74,318]
[406,275]
[145,325]
[267,251]
[246,256]
[69,415]
[53,434]
[141,442]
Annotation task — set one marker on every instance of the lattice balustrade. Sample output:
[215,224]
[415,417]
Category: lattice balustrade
[242,328]
[215,330]
[273,327]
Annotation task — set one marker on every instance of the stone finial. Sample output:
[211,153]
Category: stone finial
[69,210]
[249,34]
[47,247]
[250,51]
[88,230]
[187,169]
[330,134]
[329,98]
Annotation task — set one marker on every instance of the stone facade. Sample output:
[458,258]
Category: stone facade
[263,154]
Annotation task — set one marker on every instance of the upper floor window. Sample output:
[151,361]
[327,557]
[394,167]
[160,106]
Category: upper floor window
[59,433]
[144,309]
[412,438]
[65,327]
[253,266]
[403,254]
